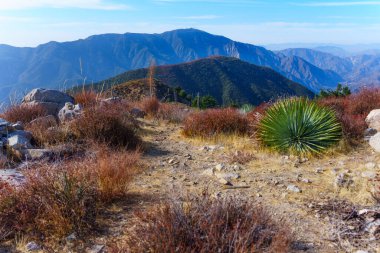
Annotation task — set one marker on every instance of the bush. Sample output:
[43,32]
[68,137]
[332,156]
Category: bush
[299,126]
[212,122]
[58,199]
[86,98]
[205,225]
[50,203]
[115,170]
[106,124]
[352,110]
[174,113]
[23,113]
[150,105]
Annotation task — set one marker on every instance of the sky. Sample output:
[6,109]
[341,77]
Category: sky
[33,22]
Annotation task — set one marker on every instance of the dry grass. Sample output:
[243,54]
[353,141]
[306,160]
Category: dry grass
[174,113]
[65,197]
[150,105]
[23,113]
[212,122]
[87,98]
[207,225]
[115,172]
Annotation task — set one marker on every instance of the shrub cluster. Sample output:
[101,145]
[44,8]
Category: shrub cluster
[353,109]
[108,124]
[23,113]
[206,225]
[58,199]
[212,122]
[86,98]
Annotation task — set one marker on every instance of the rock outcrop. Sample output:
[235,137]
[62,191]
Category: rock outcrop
[16,142]
[50,100]
[69,112]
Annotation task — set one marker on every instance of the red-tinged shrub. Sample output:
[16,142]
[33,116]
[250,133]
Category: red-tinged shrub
[86,98]
[364,102]
[24,113]
[204,225]
[114,173]
[50,203]
[174,113]
[106,124]
[212,122]
[353,109]
[150,105]
[65,197]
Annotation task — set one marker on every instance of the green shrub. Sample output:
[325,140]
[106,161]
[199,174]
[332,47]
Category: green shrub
[299,126]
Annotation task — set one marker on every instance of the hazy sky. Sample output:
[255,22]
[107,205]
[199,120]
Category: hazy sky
[32,22]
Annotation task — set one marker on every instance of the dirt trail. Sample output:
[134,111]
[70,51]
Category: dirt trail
[176,166]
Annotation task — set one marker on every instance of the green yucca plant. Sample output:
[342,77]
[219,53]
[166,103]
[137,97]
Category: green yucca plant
[299,126]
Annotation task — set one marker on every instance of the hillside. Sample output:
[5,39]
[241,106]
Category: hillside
[62,65]
[136,90]
[229,80]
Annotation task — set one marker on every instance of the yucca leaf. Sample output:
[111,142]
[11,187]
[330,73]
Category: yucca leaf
[299,126]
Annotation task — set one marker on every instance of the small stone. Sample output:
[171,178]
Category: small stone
[96,249]
[370,165]
[220,167]
[369,174]
[293,188]
[32,246]
[305,180]
[373,227]
[208,172]
[224,181]
[319,170]
[227,176]
[258,195]
[71,237]
[361,251]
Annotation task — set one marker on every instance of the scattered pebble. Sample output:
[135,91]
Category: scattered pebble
[293,188]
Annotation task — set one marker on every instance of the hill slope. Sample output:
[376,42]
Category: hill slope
[61,65]
[229,80]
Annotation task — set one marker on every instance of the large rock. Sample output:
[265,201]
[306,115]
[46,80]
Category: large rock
[373,119]
[69,112]
[52,96]
[19,140]
[50,100]
[374,142]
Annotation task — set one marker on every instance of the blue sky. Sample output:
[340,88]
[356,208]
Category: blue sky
[32,22]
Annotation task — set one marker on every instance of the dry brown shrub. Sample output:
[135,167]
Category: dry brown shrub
[150,105]
[65,197]
[212,122]
[23,113]
[106,124]
[207,225]
[174,113]
[115,171]
[86,98]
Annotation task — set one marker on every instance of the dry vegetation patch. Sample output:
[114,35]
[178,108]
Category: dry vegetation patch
[207,225]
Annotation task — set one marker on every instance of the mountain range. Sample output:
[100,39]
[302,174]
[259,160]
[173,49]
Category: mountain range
[357,71]
[229,80]
[61,65]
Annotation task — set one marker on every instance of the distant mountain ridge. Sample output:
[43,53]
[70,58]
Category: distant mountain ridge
[229,80]
[356,71]
[61,65]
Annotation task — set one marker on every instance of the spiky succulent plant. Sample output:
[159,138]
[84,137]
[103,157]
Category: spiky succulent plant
[300,126]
